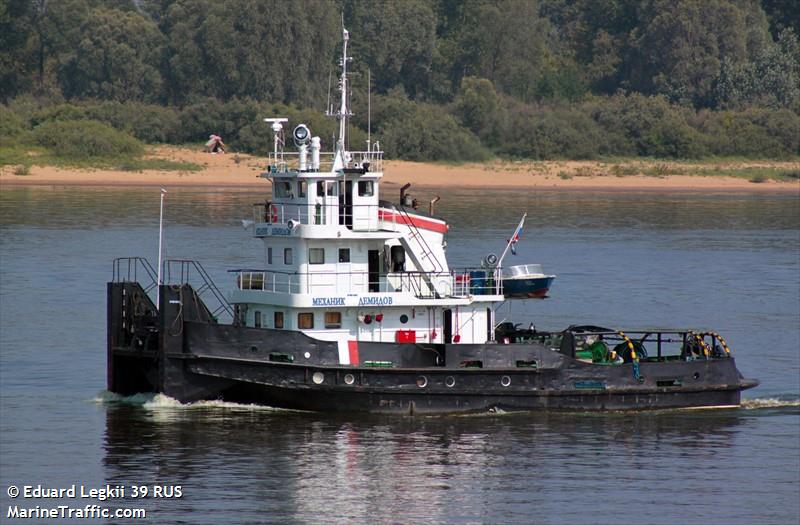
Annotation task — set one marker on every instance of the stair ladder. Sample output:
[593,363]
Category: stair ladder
[427,254]
[207,284]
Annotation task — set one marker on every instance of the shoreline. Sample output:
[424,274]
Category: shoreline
[241,171]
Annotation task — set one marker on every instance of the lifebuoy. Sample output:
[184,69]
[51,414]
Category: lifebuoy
[271,213]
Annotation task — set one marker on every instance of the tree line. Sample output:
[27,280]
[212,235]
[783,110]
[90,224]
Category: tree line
[450,79]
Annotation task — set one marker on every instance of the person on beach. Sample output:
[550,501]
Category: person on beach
[215,144]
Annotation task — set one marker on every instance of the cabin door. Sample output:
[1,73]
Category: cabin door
[346,203]
[374,270]
[447,323]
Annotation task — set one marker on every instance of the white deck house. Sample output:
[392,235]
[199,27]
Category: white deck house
[341,265]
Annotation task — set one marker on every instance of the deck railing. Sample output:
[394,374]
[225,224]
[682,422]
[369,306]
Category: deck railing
[358,217]
[452,284]
[185,271]
[289,161]
[134,269]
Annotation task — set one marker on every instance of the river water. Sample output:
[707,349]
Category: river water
[727,262]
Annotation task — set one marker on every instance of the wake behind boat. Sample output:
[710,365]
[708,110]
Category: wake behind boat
[357,309]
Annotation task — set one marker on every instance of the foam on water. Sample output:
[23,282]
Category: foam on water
[152,401]
[110,398]
[770,402]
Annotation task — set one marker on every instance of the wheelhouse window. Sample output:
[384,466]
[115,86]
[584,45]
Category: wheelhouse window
[316,256]
[326,188]
[269,255]
[305,321]
[301,188]
[283,189]
[344,255]
[366,188]
[278,318]
[287,256]
[333,319]
[257,319]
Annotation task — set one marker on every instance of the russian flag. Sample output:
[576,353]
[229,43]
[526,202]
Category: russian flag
[515,239]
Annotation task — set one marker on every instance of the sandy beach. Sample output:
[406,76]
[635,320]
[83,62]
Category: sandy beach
[239,170]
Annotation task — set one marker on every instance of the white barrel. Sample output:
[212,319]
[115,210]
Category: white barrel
[303,157]
[315,145]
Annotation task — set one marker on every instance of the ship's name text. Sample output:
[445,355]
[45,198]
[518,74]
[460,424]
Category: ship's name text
[374,301]
[327,301]
[362,301]
[263,231]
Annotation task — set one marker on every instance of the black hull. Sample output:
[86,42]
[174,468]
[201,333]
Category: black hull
[196,359]
[467,400]
[395,391]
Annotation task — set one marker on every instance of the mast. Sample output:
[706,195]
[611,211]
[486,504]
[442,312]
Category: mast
[160,242]
[340,161]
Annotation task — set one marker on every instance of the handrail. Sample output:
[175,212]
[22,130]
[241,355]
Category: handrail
[281,166]
[699,338]
[715,335]
[186,266]
[421,242]
[691,342]
[454,283]
[362,217]
[132,271]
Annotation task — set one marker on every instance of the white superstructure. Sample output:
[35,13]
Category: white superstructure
[342,265]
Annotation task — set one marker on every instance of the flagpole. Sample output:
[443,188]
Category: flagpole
[160,242]
[511,240]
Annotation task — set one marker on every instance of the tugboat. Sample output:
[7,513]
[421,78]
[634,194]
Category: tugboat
[357,310]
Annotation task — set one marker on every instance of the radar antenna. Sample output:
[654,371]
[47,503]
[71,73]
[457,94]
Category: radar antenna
[277,131]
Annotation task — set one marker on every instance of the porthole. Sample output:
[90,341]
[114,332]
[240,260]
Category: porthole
[404,318]
[349,379]
[318,378]
[307,355]
[505,381]
[450,381]
[422,381]
[696,375]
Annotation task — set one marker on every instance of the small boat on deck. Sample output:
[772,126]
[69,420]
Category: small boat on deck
[355,308]
[526,281]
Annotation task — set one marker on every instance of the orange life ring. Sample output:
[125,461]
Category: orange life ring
[272,213]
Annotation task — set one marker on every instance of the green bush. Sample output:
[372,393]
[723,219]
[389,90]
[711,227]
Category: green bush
[11,126]
[646,126]
[79,139]
[205,116]
[478,122]
[481,110]
[58,112]
[147,122]
[417,131]
[550,133]
[751,133]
